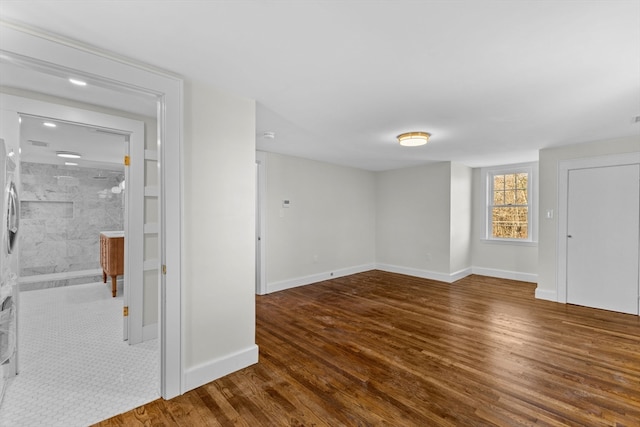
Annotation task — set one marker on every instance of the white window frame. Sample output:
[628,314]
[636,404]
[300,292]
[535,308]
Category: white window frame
[532,193]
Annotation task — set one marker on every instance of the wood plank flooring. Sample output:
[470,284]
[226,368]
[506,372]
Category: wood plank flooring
[383,349]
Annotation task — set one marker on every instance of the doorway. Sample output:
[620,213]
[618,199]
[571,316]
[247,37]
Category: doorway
[62,189]
[599,227]
[43,53]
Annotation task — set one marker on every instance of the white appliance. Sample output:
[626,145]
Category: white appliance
[9,206]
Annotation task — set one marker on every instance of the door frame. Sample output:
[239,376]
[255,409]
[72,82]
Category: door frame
[564,166]
[261,218]
[40,49]
[133,132]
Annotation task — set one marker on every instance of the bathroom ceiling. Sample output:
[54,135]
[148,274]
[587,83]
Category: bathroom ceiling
[493,81]
[99,149]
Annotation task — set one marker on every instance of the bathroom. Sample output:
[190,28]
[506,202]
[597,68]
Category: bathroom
[72,186]
[66,202]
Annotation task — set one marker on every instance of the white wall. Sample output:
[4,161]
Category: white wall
[548,234]
[461,214]
[512,261]
[413,218]
[329,227]
[219,230]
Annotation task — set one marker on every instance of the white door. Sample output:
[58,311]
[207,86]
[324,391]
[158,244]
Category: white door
[603,218]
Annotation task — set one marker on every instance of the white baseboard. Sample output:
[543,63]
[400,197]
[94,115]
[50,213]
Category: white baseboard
[425,274]
[59,276]
[218,368]
[409,271]
[319,277]
[505,274]
[150,332]
[546,295]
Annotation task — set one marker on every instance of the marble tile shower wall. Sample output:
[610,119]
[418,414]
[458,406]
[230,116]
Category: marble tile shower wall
[63,210]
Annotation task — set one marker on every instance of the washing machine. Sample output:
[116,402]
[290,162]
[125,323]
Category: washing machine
[9,206]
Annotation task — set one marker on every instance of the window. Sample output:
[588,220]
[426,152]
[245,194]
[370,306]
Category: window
[509,203]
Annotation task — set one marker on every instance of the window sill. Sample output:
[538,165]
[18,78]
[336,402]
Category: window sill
[512,242]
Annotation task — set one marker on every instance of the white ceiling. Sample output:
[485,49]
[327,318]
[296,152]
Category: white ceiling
[99,148]
[493,81]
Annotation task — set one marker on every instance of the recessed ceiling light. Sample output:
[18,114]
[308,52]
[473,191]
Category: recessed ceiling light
[78,82]
[70,164]
[68,154]
[50,125]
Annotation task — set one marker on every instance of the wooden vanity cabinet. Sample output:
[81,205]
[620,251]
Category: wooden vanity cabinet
[112,257]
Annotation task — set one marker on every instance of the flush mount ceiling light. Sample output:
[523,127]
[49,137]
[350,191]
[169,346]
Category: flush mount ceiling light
[413,139]
[50,124]
[68,154]
[70,164]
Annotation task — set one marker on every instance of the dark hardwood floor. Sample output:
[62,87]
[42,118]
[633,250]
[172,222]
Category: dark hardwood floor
[382,349]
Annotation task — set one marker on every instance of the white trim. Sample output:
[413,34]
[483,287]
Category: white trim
[151,264]
[564,166]
[425,274]
[409,271]
[134,240]
[261,200]
[532,169]
[318,277]
[151,228]
[151,191]
[212,370]
[460,274]
[506,274]
[546,294]
[150,332]
[59,276]
[124,74]
[151,155]
[508,242]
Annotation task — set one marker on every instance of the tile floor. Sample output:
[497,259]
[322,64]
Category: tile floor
[75,369]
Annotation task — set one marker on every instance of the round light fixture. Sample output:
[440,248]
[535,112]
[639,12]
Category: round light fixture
[413,139]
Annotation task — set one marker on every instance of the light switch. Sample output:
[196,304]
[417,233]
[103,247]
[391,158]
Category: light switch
[549,214]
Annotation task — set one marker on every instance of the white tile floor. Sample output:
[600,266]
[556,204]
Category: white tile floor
[75,369]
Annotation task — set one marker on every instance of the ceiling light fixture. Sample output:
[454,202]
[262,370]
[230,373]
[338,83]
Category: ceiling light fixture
[413,139]
[70,164]
[50,125]
[78,82]
[68,154]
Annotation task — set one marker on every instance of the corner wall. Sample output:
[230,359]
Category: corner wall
[219,231]
[505,260]
[327,231]
[548,235]
[424,215]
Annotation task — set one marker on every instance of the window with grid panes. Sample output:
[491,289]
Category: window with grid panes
[509,211]
[509,208]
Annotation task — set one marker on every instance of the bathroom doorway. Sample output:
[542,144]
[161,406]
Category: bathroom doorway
[89,189]
[42,64]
